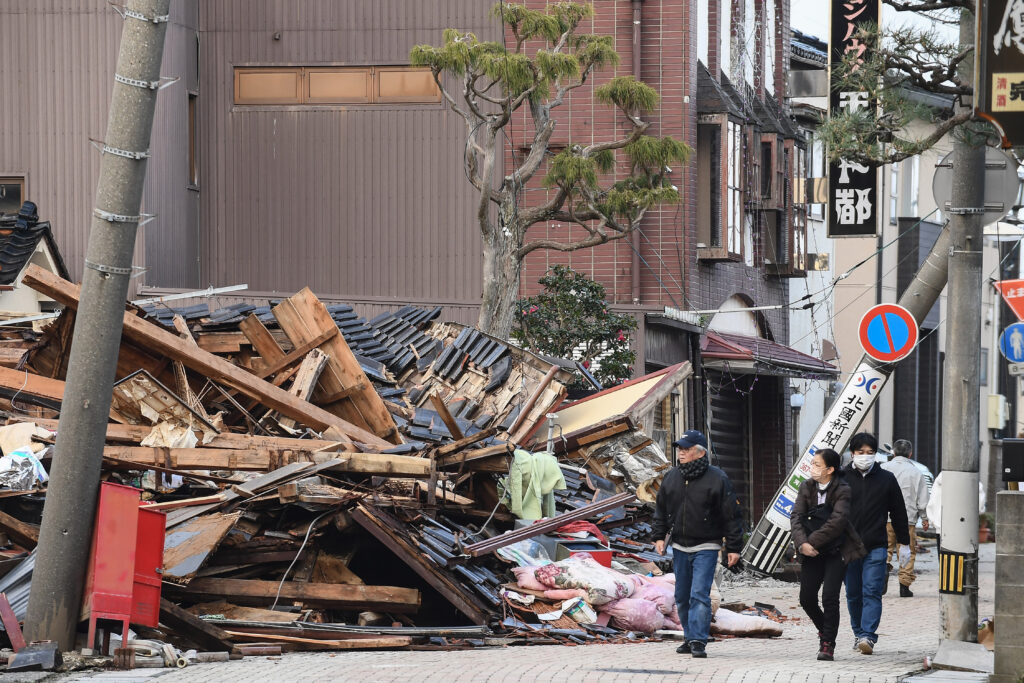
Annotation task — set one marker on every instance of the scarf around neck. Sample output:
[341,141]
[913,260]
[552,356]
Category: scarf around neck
[694,469]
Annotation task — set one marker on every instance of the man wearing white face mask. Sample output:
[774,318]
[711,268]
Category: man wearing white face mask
[876,497]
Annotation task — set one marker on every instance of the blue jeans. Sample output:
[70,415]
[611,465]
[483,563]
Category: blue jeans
[695,572]
[865,579]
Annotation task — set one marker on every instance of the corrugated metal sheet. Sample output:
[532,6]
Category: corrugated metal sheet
[58,59]
[170,244]
[364,201]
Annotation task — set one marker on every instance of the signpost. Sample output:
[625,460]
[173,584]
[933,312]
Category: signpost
[888,333]
[999,81]
[1011,343]
[852,186]
[1013,295]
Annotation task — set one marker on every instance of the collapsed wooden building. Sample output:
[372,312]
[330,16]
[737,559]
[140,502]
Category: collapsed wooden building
[331,482]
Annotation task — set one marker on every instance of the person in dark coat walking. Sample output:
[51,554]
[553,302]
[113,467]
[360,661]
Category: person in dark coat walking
[825,543]
[876,496]
[697,505]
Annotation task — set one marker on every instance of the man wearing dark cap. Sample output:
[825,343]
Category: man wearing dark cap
[696,504]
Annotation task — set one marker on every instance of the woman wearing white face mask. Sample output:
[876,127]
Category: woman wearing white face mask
[825,542]
[876,497]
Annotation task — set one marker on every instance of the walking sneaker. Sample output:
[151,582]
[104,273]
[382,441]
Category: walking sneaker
[905,591]
[865,646]
[856,642]
[683,649]
[827,651]
[697,649]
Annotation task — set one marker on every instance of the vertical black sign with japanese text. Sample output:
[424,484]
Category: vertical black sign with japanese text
[852,187]
[1000,75]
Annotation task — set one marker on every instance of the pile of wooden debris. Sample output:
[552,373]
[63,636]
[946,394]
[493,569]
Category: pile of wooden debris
[331,482]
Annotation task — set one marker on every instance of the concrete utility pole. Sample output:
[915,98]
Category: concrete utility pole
[961,405]
[66,535]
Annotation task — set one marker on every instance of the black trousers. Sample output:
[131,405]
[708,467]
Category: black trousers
[824,573]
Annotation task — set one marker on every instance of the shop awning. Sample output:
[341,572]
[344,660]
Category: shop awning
[740,354]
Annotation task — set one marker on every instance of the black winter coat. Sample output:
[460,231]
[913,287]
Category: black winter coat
[701,510]
[836,529]
[876,498]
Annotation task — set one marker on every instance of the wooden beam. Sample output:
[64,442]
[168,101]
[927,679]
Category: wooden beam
[457,446]
[490,459]
[216,368]
[379,464]
[375,521]
[305,380]
[263,459]
[296,354]
[303,318]
[24,534]
[262,340]
[446,417]
[340,596]
[253,459]
[376,642]
[202,633]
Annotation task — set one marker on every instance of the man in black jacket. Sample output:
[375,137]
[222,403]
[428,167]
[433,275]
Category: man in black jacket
[697,504]
[876,497]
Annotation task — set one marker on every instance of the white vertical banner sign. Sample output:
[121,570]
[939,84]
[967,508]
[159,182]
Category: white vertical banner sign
[767,544]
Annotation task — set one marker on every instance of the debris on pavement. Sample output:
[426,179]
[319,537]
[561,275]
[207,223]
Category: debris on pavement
[334,483]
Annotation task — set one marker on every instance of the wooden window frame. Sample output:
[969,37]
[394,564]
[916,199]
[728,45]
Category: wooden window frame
[380,99]
[794,212]
[369,82]
[243,70]
[304,98]
[730,224]
[16,179]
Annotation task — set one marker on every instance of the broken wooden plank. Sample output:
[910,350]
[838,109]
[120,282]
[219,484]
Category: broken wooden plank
[255,459]
[446,417]
[24,534]
[490,459]
[305,380]
[296,354]
[188,546]
[188,502]
[374,643]
[222,342]
[380,525]
[240,613]
[457,446]
[341,596]
[214,367]
[202,633]
[379,463]
[303,317]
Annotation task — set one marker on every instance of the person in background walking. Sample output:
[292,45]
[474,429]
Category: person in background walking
[915,499]
[876,496]
[697,505]
[826,543]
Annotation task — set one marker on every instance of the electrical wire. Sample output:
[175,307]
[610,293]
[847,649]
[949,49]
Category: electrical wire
[302,547]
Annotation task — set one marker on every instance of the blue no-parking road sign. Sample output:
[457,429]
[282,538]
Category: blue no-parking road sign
[1011,343]
[888,332]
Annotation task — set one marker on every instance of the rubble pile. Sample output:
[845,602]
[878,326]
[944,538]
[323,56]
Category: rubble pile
[331,482]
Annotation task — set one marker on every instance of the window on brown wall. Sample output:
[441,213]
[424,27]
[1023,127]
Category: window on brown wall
[335,85]
[12,193]
[193,140]
[268,86]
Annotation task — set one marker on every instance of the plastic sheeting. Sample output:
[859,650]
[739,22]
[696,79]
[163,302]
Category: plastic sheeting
[641,470]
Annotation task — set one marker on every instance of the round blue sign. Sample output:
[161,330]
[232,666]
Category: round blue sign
[1011,343]
[888,332]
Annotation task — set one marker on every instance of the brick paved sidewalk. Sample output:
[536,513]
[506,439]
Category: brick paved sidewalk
[909,632]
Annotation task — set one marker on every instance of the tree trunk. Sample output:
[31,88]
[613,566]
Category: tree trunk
[502,269]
